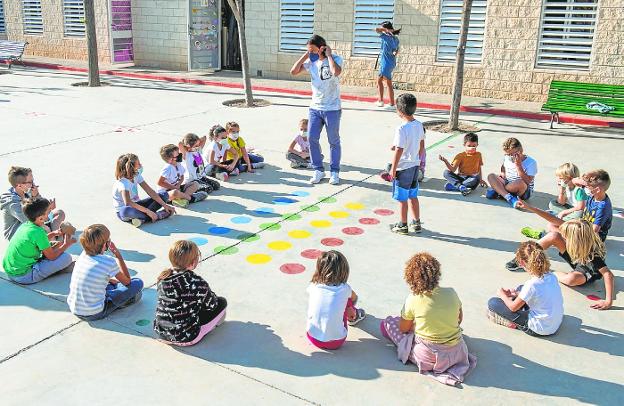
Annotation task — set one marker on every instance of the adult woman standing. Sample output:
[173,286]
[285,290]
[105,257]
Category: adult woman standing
[387,60]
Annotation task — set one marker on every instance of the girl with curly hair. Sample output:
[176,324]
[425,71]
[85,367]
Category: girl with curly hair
[535,307]
[428,333]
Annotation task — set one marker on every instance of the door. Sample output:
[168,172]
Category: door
[121,31]
[204,34]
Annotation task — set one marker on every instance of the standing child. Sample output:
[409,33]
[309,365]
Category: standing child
[248,162]
[389,38]
[187,309]
[468,164]
[428,332]
[332,302]
[218,166]
[100,283]
[571,199]
[535,307]
[299,149]
[126,201]
[191,148]
[171,180]
[408,144]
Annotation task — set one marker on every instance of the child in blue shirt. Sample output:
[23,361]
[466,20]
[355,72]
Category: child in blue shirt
[389,39]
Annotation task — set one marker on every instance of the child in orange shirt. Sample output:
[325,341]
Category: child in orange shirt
[469,164]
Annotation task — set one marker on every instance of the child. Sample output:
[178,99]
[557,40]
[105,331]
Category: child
[126,200]
[469,164]
[409,142]
[30,257]
[248,162]
[387,60]
[23,187]
[332,302]
[187,309]
[517,176]
[428,331]
[300,158]
[171,180]
[218,167]
[99,283]
[535,307]
[571,200]
[191,148]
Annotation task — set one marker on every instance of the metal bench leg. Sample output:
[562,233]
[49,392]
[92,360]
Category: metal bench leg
[552,118]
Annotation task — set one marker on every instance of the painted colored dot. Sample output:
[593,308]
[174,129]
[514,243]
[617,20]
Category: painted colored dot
[311,208]
[368,221]
[279,245]
[248,237]
[264,210]
[199,240]
[300,193]
[451,146]
[311,253]
[384,212]
[258,259]
[292,269]
[339,214]
[142,322]
[328,199]
[240,220]
[593,297]
[291,217]
[284,200]
[354,206]
[332,242]
[270,226]
[299,234]
[320,223]
[224,250]
[219,230]
[352,230]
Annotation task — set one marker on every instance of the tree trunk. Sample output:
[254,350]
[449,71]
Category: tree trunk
[459,66]
[92,51]
[237,9]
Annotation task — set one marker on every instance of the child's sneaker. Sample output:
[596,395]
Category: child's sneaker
[399,228]
[532,233]
[360,314]
[198,196]
[449,187]
[222,176]
[257,165]
[295,165]
[235,172]
[318,176]
[496,318]
[379,103]
[163,214]
[415,226]
[137,222]
[180,202]
[334,178]
[513,201]
[386,176]
[465,191]
[213,183]
[514,266]
[491,194]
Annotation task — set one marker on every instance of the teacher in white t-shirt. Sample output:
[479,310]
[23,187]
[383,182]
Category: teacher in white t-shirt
[325,111]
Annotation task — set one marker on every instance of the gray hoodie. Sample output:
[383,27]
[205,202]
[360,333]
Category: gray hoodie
[11,205]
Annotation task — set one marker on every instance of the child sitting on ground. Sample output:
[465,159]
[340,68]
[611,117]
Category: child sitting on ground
[468,164]
[332,302]
[571,199]
[516,180]
[300,157]
[171,180]
[100,283]
[409,142]
[191,148]
[535,307]
[186,309]
[23,187]
[33,254]
[248,162]
[218,166]
[126,201]
[428,332]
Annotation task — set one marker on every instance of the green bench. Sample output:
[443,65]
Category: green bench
[573,97]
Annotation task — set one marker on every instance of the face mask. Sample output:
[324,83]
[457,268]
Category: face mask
[224,142]
[233,136]
[563,183]
[588,192]
[471,149]
[140,171]
[303,133]
[314,57]
[179,158]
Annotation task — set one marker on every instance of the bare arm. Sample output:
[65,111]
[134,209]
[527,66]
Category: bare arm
[124,275]
[291,147]
[297,68]
[450,167]
[395,161]
[55,251]
[543,214]
[513,303]
[162,182]
[609,285]
[335,69]
[405,326]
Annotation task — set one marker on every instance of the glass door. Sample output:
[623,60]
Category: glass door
[204,34]
[121,31]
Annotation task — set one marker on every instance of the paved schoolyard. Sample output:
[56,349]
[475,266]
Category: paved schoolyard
[71,137]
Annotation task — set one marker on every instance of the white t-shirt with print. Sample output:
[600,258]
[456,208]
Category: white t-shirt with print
[325,86]
[123,184]
[304,145]
[511,171]
[172,174]
[326,309]
[219,151]
[195,165]
[543,296]
[408,136]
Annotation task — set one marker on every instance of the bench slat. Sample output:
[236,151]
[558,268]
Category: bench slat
[572,97]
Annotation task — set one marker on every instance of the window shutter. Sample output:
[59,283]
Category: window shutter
[296,24]
[369,14]
[33,21]
[2,27]
[450,24]
[73,18]
[567,34]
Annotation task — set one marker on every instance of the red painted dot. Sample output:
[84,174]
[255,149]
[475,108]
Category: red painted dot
[292,269]
[311,253]
[369,221]
[332,242]
[451,146]
[352,231]
[593,297]
[384,212]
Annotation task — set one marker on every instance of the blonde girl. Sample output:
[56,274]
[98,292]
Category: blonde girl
[218,148]
[571,199]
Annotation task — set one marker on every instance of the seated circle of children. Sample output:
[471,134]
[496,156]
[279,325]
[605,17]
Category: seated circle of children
[535,307]
[187,309]
[100,283]
[248,162]
[299,149]
[517,176]
[409,142]
[192,147]
[171,180]
[34,254]
[23,187]
[126,201]
[428,332]
[218,166]
[571,199]
[468,166]
[331,306]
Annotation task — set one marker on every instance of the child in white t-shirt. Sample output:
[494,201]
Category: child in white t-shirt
[218,167]
[299,149]
[191,148]
[331,306]
[171,179]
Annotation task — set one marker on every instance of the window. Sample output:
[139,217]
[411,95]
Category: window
[567,34]
[450,24]
[296,24]
[73,18]
[369,14]
[33,21]
[2,27]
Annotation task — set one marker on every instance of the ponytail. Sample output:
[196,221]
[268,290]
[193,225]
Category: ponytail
[532,255]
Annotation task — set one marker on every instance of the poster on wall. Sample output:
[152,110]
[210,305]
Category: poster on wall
[204,34]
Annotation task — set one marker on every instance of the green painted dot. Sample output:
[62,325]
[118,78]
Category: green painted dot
[223,250]
[143,322]
[270,226]
[310,208]
[248,237]
[329,200]
[291,217]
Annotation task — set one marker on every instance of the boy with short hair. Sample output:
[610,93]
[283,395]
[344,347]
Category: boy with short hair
[598,209]
[468,164]
[171,179]
[516,180]
[408,144]
[30,257]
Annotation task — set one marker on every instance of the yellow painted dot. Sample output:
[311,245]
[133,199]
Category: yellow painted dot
[354,206]
[339,214]
[320,223]
[279,245]
[299,234]
[258,259]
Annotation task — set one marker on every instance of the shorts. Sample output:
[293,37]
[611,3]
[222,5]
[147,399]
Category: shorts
[527,193]
[405,185]
[589,274]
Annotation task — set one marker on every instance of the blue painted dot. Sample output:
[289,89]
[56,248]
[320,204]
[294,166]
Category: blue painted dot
[283,200]
[219,230]
[199,240]
[264,210]
[240,220]
[300,193]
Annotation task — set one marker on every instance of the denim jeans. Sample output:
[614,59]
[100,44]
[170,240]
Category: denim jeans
[331,120]
[520,317]
[43,269]
[471,182]
[127,213]
[118,296]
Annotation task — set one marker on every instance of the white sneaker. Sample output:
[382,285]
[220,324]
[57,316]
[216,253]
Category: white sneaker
[334,179]
[257,165]
[318,176]
[379,103]
[390,107]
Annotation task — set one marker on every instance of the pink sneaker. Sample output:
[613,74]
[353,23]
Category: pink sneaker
[386,176]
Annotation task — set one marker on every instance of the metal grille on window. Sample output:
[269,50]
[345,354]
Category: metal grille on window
[33,21]
[369,14]
[567,34]
[296,24]
[450,24]
[73,18]
[2,27]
